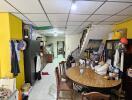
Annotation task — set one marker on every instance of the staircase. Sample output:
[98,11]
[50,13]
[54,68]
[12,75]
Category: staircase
[76,54]
[84,40]
[93,32]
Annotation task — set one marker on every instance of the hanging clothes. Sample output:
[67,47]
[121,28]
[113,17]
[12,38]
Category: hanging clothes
[37,67]
[17,51]
[116,58]
[38,64]
[122,61]
[14,60]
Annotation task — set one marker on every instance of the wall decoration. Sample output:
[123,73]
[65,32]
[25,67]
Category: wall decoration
[118,34]
[21,45]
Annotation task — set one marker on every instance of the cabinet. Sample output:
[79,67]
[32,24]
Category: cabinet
[33,48]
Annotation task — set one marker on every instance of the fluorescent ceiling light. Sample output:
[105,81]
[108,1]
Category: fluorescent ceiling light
[55,35]
[54,32]
[74,6]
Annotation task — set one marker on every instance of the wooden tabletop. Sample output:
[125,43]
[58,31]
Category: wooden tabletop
[90,78]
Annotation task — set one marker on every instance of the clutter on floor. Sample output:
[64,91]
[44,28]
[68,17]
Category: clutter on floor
[26,89]
[8,89]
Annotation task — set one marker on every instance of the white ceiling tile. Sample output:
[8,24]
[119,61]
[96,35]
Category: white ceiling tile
[68,29]
[86,7]
[27,6]
[117,18]
[56,6]
[99,31]
[42,23]
[58,24]
[112,8]
[84,25]
[20,16]
[74,23]
[37,17]
[68,32]
[53,31]
[73,17]
[122,0]
[71,28]
[107,23]
[58,17]
[98,17]
[127,11]
[27,22]
[61,29]
[5,7]
[95,23]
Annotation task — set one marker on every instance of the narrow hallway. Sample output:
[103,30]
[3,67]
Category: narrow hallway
[45,89]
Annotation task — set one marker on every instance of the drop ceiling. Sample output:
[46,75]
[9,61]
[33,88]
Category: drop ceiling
[58,13]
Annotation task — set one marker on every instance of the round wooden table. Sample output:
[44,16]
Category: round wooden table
[90,79]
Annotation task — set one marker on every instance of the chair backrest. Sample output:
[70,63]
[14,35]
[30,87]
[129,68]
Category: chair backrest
[95,96]
[57,76]
[62,67]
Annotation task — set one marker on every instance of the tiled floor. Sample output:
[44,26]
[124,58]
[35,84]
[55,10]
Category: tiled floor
[45,89]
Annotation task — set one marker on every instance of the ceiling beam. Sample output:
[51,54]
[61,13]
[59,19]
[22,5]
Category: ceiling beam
[44,12]
[104,0]
[114,14]
[19,11]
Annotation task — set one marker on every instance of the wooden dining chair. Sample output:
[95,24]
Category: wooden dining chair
[62,69]
[63,86]
[95,96]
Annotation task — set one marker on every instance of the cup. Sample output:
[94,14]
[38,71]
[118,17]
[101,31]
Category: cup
[81,70]
[110,74]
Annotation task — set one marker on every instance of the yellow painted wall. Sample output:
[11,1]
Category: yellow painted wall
[16,34]
[10,29]
[20,78]
[15,27]
[4,45]
[126,24]
[0,65]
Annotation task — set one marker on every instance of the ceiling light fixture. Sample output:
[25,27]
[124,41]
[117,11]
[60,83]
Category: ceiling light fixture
[55,34]
[74,6]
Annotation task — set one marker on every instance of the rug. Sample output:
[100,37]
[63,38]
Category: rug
[45,73]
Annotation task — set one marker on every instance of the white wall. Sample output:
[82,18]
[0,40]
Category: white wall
[54,41]
[72,42]
[35,34]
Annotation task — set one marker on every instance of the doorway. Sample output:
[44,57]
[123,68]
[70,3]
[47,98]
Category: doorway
[61,48]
